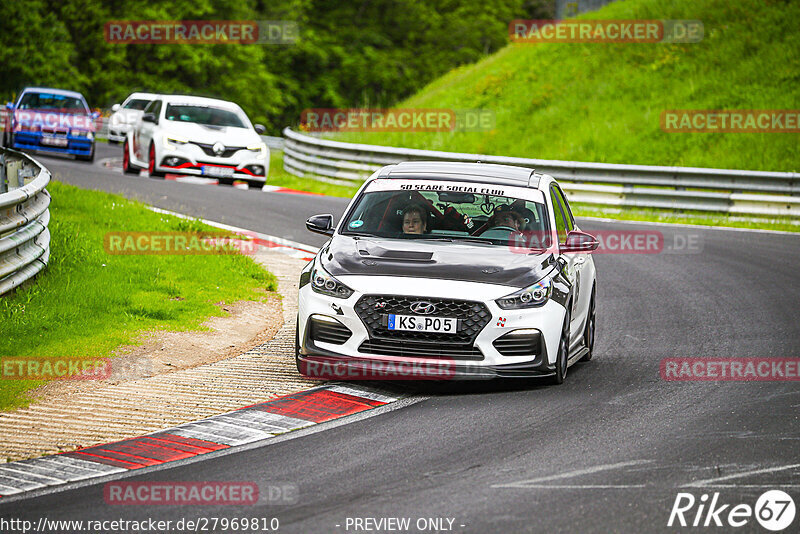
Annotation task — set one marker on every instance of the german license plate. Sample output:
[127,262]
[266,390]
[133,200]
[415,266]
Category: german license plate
[209,170]
[54,141]
[418,323]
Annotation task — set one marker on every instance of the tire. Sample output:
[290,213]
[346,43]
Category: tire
[127,167]
[562,357]
[151,163]
[89,158]
[297,344]
[590,330]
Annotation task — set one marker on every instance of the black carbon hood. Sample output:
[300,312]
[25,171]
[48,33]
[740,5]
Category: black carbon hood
[466,262]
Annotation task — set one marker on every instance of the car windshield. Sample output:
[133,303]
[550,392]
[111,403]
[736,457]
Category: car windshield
[207,115]
[136,103]
[51,101]
[493,219]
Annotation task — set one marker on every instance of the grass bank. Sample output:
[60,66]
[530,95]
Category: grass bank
[87,302]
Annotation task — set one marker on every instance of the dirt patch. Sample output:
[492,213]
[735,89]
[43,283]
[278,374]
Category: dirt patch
[246,325]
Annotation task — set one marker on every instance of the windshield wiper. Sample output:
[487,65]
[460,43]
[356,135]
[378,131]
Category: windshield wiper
[476,239]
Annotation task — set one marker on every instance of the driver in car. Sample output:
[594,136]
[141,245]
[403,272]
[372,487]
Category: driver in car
[505,216]
[414,219]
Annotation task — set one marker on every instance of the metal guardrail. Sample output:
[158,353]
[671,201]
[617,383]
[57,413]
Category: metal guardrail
[24,215]
[735,192]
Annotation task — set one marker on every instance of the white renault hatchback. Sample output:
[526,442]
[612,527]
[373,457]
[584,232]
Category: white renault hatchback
[197,136]
[445,270]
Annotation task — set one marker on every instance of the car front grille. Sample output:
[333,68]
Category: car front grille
[472,318]
[209,150]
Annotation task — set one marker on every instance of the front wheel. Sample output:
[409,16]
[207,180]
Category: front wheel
[562,358]
[589,331]
[151,168]
[89,158]
[127,168]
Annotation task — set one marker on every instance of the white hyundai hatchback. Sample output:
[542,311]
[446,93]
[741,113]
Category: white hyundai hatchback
[444,270]
[197,136]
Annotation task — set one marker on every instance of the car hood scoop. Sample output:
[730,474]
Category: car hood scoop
[377,252]
[466,262]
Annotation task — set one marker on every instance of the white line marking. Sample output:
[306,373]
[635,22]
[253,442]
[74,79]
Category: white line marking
[279,240]
[576,486]
[710,481]
[571,474]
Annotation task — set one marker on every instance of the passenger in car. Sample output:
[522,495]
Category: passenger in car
[415,219]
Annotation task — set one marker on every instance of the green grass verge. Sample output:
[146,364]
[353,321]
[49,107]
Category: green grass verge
[278,176]
[602,102]
[88,302]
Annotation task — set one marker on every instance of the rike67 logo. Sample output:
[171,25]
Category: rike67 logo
[774,510]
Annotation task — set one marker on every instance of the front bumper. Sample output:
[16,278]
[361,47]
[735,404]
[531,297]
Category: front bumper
[76,146]
[189,159]
[366,355]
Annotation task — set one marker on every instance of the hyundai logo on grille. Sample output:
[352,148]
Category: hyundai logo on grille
[423,307]
[218,148]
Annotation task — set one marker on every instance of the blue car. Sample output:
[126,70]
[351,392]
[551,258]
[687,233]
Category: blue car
[51,120]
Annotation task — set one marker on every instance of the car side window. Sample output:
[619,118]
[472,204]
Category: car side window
[568,219]
[149,108]
[558,213]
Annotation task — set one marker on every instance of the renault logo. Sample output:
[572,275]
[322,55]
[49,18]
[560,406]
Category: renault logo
[423,307]
[218,148]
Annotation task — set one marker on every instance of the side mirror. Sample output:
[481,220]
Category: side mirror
[149,117]
[578,241]
[115,107]
[321,224]
[95,114]
[260,129]
[9,105]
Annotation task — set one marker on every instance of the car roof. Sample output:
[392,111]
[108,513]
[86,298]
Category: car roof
[52,90]
[198,100]
[150,96]
[468,172]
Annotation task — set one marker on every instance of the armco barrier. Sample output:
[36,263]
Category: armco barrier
[24,237]
[735,192]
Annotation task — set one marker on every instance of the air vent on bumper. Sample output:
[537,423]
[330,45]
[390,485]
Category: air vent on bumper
[524,342]
[328,330]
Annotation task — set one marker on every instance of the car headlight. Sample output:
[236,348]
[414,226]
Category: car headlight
[174,142]
[324,283]
[82,133]
[528,297]
[260,150]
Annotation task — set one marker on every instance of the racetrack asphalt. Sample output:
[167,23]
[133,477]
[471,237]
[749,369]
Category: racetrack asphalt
[608,451]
